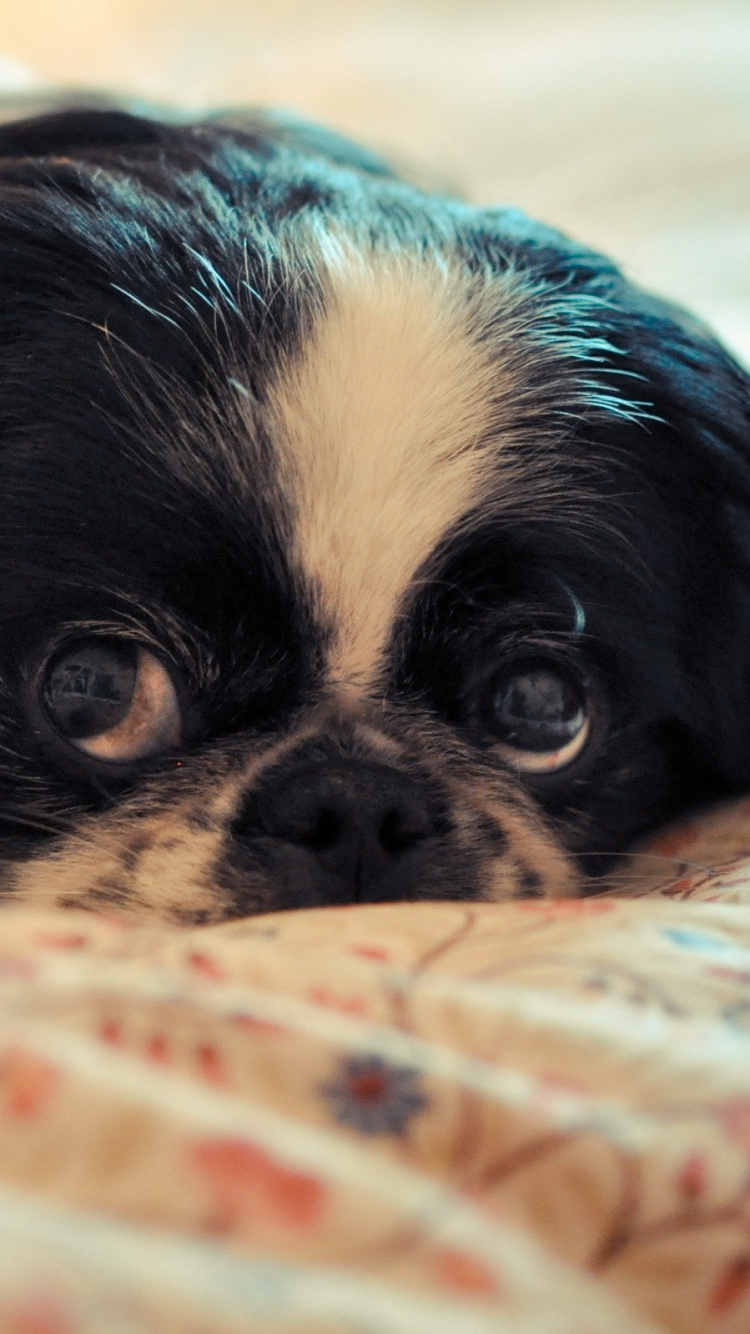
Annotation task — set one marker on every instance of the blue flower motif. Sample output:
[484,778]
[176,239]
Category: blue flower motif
[688,939]
[374,1097]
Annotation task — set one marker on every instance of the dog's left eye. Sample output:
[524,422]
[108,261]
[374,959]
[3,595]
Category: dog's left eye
[111,699]
[538,713]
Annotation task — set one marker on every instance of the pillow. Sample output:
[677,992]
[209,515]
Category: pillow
[438,1117]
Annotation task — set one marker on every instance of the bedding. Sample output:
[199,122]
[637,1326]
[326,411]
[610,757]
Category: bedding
[439,1117]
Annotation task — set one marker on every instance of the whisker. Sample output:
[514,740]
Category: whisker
[39,823]
[674,868]
[650,856]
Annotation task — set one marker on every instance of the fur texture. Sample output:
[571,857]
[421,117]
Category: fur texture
[433,531]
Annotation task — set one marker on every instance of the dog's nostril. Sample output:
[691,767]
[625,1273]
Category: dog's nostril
[324,833]
[353,823]
[402,828]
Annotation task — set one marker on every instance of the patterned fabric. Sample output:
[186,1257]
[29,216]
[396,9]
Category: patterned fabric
[390,1119]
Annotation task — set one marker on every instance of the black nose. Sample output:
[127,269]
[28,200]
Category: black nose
[347,826]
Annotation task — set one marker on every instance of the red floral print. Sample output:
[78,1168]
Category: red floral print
[254,1024]
[157,1048]
[206,966]
[110,1031]
[59,940]
[734,1116]
[731,1286]
[673,841]
[13,966]
[691,1179]
[26,1082]
[35,1313]
[464,1273]
[330,1001]
[210,1064]
[245,1180]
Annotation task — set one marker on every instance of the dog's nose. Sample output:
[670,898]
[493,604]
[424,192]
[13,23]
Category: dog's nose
[349,826]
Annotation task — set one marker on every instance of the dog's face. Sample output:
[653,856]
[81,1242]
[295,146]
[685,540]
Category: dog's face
[355,544]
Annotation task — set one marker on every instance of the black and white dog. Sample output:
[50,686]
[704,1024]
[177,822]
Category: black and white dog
[355,544]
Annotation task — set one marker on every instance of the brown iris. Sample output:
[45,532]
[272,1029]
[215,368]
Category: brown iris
[111,699]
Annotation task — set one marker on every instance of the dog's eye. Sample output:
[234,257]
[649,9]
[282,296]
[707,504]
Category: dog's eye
[111,699]
[539,713]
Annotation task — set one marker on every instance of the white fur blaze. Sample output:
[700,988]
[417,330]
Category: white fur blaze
[379,428]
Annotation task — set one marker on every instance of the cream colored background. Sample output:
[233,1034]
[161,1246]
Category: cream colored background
[626,122]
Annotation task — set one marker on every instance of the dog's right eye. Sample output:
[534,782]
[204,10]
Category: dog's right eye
[111,699]
[537,711]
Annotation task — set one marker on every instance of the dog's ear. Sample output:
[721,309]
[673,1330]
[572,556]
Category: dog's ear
[96,128]
[79,129]
[700,389]
[702,395]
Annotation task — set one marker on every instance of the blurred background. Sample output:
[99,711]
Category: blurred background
[625,122]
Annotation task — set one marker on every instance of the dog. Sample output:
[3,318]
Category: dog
[357,544]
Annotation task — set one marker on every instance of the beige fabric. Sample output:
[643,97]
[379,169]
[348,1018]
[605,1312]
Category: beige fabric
[418,1117]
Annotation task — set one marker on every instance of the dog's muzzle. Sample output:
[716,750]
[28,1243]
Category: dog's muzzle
[356,830]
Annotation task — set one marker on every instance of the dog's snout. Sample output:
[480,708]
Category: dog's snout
[348,826]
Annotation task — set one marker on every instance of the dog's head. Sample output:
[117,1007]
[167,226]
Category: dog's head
[355,544]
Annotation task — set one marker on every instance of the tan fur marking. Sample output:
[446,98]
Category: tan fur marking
[378,429]
[530,844]
[168,882]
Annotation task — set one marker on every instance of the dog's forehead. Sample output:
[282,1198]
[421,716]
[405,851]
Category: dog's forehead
[385,429]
